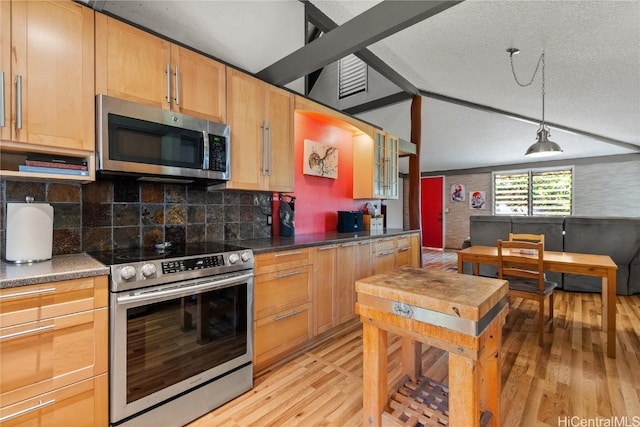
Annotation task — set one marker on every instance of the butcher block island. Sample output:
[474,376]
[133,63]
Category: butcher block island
[459,313]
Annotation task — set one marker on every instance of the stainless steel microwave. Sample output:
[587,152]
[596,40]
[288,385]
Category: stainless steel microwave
[159,145]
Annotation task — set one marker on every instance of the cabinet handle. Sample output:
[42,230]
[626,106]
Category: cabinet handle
[265,149]
[168,72]
[18,102]
[385,253]
[2,122]
[177,86]
[403,249]
[29,332]
[346,245]
[24,411]
[27,293]
[326,248]
[292,273]
[269,148]
[287,254]
[284,316]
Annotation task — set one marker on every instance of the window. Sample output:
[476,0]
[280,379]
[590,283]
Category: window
[352,76]
[535,192]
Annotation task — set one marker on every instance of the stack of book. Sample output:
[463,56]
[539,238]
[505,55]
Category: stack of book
[61,165]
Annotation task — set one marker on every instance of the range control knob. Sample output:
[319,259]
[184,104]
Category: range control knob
[148,270]
[246,256]
[233,258]
[127,272]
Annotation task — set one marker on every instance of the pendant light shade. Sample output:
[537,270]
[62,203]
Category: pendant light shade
[543,147]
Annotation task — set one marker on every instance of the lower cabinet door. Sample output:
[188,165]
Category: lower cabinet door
[276,334]
[81,404]
[38,357]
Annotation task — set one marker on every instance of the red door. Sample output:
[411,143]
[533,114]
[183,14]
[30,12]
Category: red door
[431,211]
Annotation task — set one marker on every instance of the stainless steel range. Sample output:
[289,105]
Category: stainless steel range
[181,340]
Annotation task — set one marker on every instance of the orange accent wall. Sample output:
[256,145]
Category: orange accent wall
[319,199]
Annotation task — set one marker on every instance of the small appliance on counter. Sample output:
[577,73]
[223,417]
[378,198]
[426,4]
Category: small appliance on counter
[287,215]
[29,232]
[349,221]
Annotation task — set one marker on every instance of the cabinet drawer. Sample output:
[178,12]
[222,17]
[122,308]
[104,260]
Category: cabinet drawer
[81,404]
[274,292]
[279,333]
[276,261]
[386,244]
[39,357]
[47,300]
[403,242]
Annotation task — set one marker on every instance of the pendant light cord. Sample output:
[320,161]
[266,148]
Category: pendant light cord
[513,71]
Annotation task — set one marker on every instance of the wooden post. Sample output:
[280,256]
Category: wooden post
[414,164]
[374,363]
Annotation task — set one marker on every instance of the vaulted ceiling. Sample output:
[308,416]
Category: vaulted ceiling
[474,114]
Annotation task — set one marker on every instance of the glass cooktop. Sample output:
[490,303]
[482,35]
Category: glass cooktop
[131,255]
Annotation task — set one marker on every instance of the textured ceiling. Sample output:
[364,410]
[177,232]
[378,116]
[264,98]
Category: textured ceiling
[592,51]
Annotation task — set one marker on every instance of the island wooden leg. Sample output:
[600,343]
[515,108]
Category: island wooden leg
[411,358]
[374,366]
[464,391]
[609,311]
[490,369]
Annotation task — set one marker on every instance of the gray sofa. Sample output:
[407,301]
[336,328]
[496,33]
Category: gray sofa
[617,237]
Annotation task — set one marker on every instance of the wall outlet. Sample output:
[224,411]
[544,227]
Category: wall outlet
[269,219]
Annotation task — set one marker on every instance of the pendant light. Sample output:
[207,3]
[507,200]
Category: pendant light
[543,146]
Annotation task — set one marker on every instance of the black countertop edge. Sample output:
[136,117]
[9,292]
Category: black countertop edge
[274,244]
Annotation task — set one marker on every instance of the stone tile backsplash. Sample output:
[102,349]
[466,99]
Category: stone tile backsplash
[109,214]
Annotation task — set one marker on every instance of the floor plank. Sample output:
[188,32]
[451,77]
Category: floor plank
[570,377]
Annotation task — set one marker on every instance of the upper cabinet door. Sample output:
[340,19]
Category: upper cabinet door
[5,70]
[135,65]
[245,113]
[199,87]
[51,81]
[280,119]
[132,64]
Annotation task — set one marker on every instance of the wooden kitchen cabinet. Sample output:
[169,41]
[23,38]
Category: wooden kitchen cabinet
[325,292]
[384,254]
[47,102]
[375,167]
[138,66]
[336,269]
[282,304]
[261,120]
[54,352]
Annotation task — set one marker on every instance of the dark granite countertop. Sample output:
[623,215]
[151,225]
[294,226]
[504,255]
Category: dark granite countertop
[272,244]
[76,266]
[60,267]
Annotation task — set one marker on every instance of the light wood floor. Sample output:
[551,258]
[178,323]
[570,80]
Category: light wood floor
[570,377]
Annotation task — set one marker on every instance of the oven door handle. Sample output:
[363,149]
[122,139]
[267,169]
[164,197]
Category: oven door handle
[184,290]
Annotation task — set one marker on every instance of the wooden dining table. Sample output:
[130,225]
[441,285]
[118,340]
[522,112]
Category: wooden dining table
[564,262]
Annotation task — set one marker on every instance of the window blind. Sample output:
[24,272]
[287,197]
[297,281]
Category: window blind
[533,192]
[352,76]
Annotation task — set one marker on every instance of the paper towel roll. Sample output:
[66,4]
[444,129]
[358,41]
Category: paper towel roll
[29,232]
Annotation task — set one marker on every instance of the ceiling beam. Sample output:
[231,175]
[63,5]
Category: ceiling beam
[520,117]
[326,24]
[375,24]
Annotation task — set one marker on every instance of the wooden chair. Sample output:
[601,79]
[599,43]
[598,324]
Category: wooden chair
[525,237]
[521,263]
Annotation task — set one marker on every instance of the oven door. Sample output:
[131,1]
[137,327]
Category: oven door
[171,338]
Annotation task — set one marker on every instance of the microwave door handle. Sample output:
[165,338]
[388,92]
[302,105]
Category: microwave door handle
[206,147]
[177,86]
[168,72]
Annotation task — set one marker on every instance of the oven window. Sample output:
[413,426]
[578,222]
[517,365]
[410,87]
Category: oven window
[171,341]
